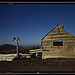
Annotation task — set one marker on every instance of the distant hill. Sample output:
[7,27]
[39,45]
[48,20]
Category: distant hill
[7,47]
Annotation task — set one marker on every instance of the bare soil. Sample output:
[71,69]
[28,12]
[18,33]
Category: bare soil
[38,65]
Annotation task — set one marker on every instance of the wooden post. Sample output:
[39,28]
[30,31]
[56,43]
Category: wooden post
[36,54]
[17,38]
[17,48]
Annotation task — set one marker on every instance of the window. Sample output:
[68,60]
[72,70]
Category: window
[58,43]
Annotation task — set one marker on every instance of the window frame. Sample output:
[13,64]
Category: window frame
[58,43]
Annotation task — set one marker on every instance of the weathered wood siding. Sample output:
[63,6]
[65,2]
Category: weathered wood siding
[65,51]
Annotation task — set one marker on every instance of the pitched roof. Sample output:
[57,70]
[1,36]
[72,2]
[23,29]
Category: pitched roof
[57,28]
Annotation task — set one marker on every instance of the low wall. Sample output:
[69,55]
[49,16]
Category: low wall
[7,57]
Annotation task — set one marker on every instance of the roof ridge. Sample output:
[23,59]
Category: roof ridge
[49,32]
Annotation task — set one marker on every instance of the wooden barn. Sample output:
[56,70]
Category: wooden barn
[58,43]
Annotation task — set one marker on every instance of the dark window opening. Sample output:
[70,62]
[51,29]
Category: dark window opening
[58,43]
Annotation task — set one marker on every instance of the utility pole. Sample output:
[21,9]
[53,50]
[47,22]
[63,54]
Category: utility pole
[17,38]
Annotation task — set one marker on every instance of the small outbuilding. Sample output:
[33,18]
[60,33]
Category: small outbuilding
[58,43]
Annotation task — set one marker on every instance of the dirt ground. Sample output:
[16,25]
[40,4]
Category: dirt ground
[37,65]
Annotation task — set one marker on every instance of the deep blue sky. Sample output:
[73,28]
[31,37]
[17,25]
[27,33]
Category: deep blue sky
[31,22]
